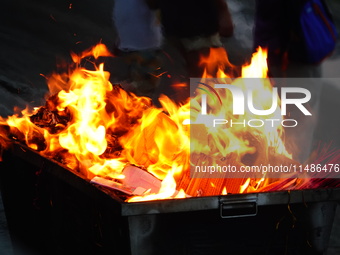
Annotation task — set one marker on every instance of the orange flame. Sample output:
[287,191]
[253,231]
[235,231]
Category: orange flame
[107,127]
[238,140]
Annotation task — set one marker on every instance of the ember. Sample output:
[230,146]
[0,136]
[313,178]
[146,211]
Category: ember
[119,140]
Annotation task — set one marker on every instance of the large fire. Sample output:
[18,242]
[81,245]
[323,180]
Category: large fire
[109,135]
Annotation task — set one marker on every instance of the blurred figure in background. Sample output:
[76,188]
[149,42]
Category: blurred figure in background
[194,26]
[139,39]
[277,24]
[274,24]
[191,28]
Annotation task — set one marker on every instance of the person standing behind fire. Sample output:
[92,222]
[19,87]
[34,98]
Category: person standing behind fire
[139,39]
[274,21]
[192,27]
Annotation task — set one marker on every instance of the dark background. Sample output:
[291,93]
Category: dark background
[36,34]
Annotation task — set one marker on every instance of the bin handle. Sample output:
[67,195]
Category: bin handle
[238,208]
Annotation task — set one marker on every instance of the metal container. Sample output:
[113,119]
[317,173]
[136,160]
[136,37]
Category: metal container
[52,210]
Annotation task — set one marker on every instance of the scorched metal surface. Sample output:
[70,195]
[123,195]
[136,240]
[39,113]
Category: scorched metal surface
[53,210]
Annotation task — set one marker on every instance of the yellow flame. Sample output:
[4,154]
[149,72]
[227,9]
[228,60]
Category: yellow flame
[157,140]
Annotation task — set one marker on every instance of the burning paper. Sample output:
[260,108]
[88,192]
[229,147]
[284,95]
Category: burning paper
[100,130]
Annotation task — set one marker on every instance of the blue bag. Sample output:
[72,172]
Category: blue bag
[318,32]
